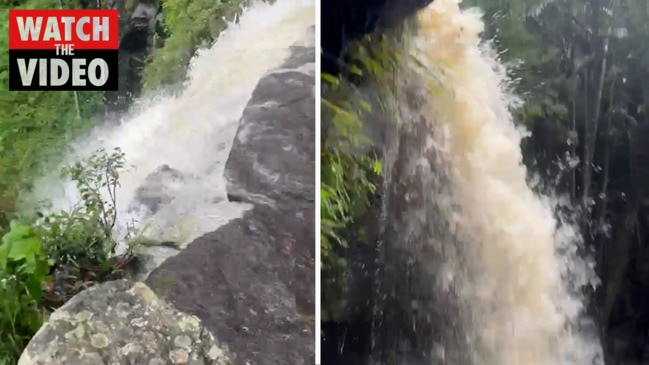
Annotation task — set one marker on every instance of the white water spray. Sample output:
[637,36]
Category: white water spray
[519,307]
[193,132]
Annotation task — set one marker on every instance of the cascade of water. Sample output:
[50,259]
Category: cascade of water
[193,131]
[518,306]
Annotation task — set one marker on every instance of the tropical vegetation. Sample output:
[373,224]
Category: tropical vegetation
[46,256]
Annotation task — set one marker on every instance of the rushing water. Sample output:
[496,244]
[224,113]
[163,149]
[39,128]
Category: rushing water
[193,132]
[515,272]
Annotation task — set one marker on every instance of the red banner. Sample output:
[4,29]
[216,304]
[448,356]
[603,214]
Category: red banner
[49,29]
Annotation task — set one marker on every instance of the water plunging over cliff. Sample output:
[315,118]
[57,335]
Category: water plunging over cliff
[501,263]
[193,132]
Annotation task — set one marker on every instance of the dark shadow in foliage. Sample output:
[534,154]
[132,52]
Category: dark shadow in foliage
[344,21]
[134,50]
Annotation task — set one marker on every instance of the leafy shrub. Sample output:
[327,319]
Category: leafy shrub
[350,169]
[84,235]
[347,186]
[190,24]
[346,183]
[23,270]
[59,242]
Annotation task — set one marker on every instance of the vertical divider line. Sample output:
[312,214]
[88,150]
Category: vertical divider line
[318,115]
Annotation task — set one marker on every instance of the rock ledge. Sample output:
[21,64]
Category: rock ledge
[120,323]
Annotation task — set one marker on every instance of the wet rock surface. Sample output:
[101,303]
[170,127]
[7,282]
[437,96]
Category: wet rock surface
[243,282]
[252,282]
[396,309]
[122,323]
[271,161]
[159,188]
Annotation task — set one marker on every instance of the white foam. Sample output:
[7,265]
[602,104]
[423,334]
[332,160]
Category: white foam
[520,305]
[193,132]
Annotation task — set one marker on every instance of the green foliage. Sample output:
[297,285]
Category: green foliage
[346,181]
[84,235]
[23,270]
[350,169]
[34,124]
[191,25]
[531,61]
[554,49]
[35,129]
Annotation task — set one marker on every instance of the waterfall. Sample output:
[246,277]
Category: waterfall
[193,132]
[483,269]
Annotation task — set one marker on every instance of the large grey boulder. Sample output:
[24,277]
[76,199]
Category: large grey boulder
[252,281]
[272,157]
[119,323]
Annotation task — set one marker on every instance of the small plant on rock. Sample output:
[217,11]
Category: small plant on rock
[81,242]
[84,235]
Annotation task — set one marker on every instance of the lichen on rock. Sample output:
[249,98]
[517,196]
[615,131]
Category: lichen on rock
[119,323]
